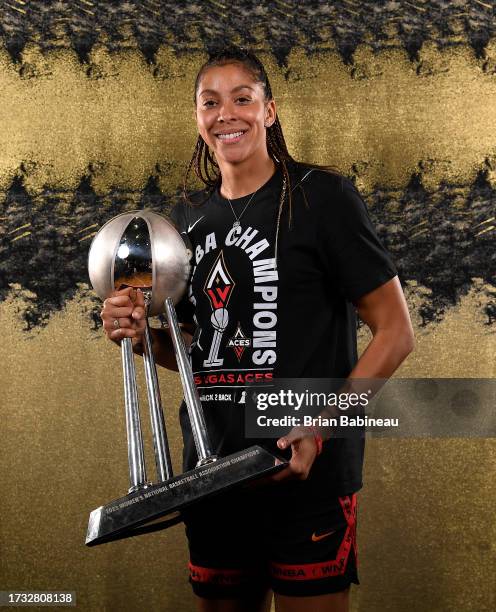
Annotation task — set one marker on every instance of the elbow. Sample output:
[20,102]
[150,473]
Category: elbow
[401,341]
[407,342]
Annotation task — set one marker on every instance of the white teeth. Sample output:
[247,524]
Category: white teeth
[229,136]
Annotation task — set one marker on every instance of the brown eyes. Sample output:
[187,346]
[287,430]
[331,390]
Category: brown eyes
[210,103]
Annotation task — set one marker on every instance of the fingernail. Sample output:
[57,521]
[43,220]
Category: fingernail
[281,443]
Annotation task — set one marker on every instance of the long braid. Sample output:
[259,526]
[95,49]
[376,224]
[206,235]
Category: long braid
[279,212]
[200,159]
[278,150]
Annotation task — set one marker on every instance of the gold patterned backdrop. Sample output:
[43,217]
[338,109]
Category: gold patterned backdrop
[96,118]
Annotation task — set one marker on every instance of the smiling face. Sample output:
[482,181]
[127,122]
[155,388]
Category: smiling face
[232,114]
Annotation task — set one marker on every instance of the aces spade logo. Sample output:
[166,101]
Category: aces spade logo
[219,284]
[239,342]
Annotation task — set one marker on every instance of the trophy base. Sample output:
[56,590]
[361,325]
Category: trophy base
[139,511]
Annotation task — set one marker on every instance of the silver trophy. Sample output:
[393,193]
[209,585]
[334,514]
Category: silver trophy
[142,249]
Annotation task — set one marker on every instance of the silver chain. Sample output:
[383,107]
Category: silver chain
[237,219]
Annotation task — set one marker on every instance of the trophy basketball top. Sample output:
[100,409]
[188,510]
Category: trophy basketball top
[140,249]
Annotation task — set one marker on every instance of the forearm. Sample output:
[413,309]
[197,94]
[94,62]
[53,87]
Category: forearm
[163,347]
[384,354]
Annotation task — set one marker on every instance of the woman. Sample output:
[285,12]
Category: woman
[284,257]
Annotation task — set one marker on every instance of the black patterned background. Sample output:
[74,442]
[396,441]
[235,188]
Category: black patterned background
[438,245]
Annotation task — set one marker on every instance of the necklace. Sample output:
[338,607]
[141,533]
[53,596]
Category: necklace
[236,218]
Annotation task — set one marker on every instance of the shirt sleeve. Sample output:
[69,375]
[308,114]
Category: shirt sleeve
[353,254]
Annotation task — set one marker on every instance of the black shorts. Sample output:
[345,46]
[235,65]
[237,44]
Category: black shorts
[295,538]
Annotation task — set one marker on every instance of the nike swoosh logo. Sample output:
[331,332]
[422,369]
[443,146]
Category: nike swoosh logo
[190,227]
[317,538]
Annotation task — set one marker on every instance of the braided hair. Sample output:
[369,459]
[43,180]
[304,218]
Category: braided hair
[206,167]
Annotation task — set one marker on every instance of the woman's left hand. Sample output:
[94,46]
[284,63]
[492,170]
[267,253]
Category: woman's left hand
[304,450]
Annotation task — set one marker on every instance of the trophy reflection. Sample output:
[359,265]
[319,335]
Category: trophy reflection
[143,250]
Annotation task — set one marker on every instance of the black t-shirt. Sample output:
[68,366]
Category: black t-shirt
[256,321]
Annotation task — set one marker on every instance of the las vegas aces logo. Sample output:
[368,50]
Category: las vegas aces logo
[239,342]
[219,286]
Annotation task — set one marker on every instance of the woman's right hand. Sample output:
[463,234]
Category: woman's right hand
[127,307]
